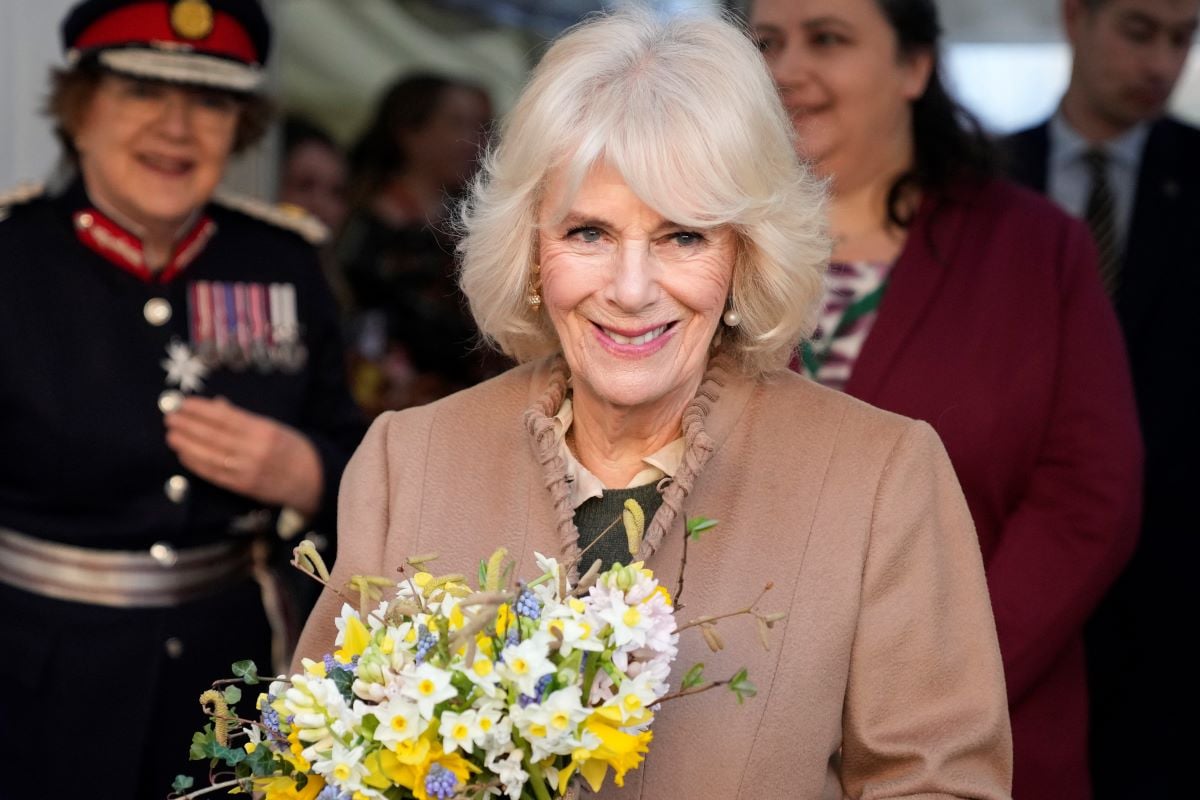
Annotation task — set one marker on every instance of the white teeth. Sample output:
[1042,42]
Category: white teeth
[648,336]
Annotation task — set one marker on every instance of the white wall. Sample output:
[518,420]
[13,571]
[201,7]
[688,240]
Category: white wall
[28,49]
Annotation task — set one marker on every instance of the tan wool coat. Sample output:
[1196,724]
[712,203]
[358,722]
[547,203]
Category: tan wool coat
[885,679]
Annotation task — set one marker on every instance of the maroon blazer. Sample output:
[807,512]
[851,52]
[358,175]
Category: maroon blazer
[996,331]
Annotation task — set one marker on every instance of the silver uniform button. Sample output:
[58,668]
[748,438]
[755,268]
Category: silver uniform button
[164,554]
[170,401]
[174,647]
[157,311]
[176,488]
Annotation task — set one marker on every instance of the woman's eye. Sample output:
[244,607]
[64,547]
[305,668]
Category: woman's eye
[145,90]
[826,39]
[585,234]
[215,101]
[687,238]
[767,44]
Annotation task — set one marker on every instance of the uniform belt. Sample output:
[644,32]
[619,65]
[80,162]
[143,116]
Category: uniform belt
[156,578]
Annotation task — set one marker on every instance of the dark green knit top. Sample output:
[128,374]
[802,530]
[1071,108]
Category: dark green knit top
[596,514]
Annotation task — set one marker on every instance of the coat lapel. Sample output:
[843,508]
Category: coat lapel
[915,281]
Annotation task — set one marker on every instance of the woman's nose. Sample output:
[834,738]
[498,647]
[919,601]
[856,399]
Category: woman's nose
[635,283]
[175,117]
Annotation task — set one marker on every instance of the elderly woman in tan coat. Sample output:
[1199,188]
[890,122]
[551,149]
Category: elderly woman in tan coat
[644,240]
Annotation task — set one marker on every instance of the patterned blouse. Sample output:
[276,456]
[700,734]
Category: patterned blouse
[853,293]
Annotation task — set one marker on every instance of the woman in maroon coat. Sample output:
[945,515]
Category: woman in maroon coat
[964,301]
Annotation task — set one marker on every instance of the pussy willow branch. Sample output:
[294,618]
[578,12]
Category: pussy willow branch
[682,570]
[714,617]
[694,690]
[216,787]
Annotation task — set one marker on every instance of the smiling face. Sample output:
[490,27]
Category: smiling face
[1128,55]
[842,80]
[634,298]
[154,153]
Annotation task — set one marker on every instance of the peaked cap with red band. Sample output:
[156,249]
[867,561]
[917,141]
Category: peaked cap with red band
[216,43]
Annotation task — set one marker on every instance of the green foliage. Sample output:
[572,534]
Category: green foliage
[261,761]
[205,745]
[698,525]
[343,679]
[694,676]
[182,783]
[482,572]
[370,723]
[247,671]
[741,686]
[232,694]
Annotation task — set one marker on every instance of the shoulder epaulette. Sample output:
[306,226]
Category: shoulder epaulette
[281,215]
[19,195]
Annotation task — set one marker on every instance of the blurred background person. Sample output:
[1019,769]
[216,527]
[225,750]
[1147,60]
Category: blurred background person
[414,333]
[962,300]
[313,173]
[173,387]
[313,176]
[1112,157]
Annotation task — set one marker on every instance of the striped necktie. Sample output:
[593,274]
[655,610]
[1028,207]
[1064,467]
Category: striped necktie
[1101,219]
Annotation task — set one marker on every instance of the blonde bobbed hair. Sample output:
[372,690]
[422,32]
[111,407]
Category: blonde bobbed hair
[686,111]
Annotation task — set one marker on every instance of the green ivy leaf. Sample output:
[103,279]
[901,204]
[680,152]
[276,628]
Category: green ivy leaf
[230,755]
[247,671]
[694,676]
[698,525]
[741,686]
[343,679]
[261,761]
[232,694]
[182,783]
[204,744]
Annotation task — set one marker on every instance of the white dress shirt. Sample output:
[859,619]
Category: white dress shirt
[1068,181]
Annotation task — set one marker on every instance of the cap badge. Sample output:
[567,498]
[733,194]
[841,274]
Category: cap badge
[192,19]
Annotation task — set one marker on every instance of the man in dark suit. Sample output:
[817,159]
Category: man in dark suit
[1111,156]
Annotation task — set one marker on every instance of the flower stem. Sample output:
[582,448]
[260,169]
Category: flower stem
[538,779]
[216,787]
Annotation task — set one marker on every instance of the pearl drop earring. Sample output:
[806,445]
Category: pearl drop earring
[732,318]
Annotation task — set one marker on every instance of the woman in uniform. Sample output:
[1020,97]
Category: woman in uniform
[172,397]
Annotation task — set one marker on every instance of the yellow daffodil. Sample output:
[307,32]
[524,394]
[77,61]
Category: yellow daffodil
[357,639]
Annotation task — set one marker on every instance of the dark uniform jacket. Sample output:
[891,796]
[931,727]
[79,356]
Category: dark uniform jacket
[92,349]
[1131,640]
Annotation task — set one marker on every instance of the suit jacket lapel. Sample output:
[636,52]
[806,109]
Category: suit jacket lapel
[915,281]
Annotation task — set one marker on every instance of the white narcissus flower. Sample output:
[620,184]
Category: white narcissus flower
[635,697]
[399,721]
[343,768]
[507,767]
[427,686]
[630,626]
[550,726]
[526,663]
[460,731]
[482,672]
[495,725]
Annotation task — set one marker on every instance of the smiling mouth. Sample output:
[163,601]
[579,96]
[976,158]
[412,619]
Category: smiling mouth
[636,339]
[165,164]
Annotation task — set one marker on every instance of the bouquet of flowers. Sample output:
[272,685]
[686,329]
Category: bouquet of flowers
[441,690]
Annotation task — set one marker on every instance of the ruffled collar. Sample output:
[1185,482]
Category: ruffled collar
[702,434]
